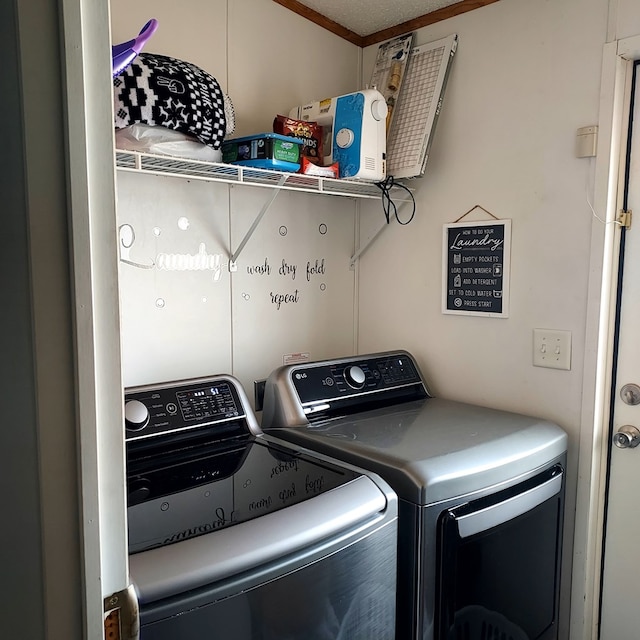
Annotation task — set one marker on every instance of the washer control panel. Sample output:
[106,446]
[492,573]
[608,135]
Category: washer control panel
[156,410]
[354,376]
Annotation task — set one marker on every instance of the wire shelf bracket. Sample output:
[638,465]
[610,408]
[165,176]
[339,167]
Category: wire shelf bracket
[138,162]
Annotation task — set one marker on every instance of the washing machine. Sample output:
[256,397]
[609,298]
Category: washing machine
[481,491]
[238,535]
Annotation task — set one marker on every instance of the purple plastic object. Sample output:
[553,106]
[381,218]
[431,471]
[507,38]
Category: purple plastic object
[123,54]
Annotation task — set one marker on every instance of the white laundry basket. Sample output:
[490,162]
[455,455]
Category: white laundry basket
[478,623]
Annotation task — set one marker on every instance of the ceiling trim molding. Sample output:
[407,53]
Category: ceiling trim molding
[424,20]
[319,19]
[386,34]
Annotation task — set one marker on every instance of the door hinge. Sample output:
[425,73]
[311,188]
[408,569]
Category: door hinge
[624,219]
[122,620]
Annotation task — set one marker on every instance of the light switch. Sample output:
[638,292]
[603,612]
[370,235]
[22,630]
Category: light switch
[552,348]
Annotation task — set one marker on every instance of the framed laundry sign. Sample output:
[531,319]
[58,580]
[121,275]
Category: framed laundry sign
[476,258]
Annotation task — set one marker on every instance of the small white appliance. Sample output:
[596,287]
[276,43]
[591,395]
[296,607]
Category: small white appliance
[354,132]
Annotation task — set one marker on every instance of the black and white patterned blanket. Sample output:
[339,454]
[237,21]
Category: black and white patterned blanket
[159,90]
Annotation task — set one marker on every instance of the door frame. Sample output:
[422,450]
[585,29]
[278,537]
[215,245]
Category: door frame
[617,69]
[91,178]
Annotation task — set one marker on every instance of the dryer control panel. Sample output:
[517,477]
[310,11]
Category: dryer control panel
[313,392]
[359,377]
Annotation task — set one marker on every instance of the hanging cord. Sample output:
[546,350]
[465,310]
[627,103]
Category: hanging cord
[588,189]
[388,205]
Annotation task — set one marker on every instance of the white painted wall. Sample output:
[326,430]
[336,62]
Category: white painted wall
[625,19]
[524,79]
[178,324]
[293,291]
[265,57]
[520,86]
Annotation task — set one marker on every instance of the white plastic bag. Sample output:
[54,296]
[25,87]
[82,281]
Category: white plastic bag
[160,140]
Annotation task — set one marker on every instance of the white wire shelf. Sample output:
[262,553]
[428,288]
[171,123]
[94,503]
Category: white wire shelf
[137,162]
[236,174]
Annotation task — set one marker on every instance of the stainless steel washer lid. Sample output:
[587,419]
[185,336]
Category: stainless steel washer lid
[431,450]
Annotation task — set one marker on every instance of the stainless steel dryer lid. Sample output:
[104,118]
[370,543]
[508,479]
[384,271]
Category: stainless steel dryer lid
[432,450]
[427,449]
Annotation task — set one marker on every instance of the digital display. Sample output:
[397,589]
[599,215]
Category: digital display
[213,401]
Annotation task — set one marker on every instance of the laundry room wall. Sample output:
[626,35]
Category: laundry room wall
[523,80]
[293,292]
[625,19]
[525,77]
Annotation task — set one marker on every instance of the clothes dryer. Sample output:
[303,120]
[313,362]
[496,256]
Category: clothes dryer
[481,491]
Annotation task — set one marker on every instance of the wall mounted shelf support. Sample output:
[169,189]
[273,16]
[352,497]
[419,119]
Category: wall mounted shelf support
[137,162]
[267,205]
[374,237]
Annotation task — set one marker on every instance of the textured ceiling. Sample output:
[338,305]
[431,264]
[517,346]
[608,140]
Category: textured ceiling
[365,17]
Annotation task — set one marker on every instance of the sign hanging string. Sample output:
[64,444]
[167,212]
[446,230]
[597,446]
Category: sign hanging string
[476,206]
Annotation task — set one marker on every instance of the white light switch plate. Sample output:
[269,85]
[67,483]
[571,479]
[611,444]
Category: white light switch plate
[552,349]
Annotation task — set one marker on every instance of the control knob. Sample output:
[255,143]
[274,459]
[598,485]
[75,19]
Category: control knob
[379,110]
[345,138]
[354,376]
[138,491]
[136,415]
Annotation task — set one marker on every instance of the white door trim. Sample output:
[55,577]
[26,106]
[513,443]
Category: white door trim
[91,189]
[614,91]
